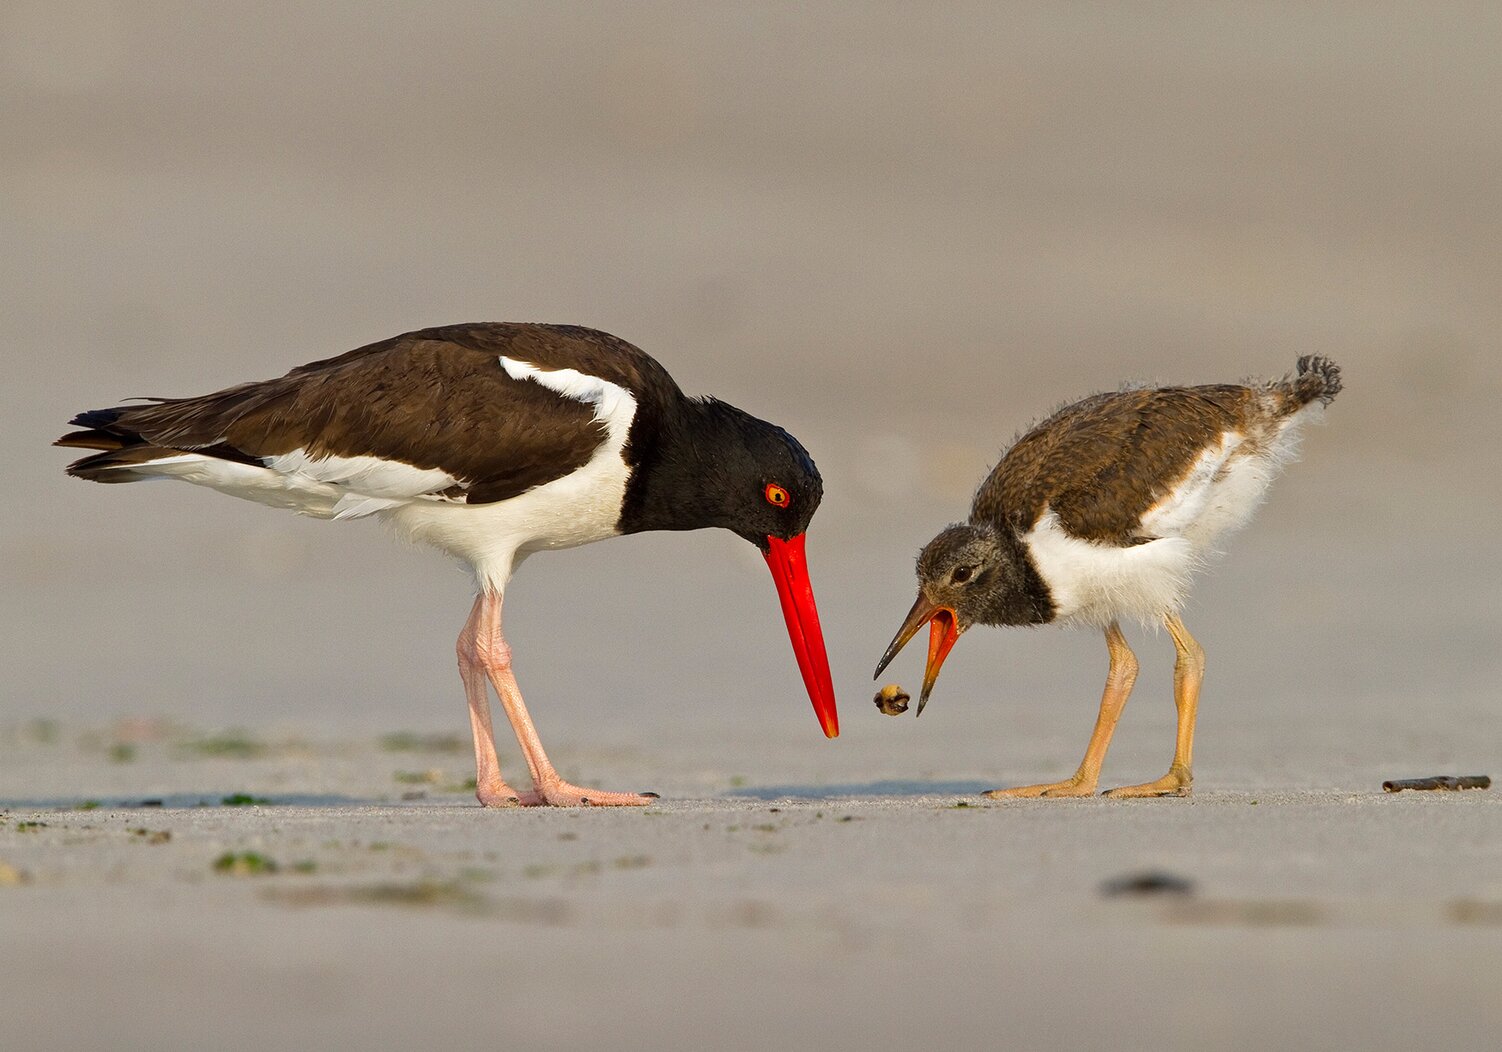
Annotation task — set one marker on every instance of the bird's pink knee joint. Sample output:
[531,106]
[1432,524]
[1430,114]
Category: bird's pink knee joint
[489,654]
[493,654]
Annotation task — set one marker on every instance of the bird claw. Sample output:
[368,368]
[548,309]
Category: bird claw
[502,796]
[564,794]
[1050,790]
[1176,782]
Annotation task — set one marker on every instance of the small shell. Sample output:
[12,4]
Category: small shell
[892,699]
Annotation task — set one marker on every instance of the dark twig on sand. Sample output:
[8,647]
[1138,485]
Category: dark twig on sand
[1440,781]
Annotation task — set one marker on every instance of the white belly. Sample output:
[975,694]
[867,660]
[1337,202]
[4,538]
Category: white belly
[1098,583]
[577,509]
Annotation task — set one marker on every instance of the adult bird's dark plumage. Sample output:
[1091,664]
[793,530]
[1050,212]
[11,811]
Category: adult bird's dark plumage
[1102,512]
[492,442]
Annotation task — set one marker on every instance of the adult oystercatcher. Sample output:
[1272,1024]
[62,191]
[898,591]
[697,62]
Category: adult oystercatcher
[1104,511]
[491,442]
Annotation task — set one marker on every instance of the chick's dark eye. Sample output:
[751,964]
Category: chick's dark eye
[777,496]
[962,574]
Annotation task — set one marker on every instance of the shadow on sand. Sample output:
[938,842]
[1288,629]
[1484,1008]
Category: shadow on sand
[886,787]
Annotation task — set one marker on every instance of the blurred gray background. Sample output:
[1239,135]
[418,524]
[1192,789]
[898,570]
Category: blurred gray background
[901,231]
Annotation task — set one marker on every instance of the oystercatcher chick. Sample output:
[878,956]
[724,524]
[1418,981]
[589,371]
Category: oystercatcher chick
[1104,511]
[491,442]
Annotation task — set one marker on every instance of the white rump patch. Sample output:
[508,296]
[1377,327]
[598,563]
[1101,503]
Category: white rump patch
[1196,495]
[1225,485]
[1097,583]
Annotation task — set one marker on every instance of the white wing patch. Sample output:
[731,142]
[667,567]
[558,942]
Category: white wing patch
[615,407]
[324,487]
[367,484]
[577,508]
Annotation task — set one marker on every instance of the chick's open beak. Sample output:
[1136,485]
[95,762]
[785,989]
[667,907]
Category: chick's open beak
[943,630]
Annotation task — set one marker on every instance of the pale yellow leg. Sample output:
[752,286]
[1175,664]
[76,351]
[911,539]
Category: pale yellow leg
[1119,680]
[1188,674]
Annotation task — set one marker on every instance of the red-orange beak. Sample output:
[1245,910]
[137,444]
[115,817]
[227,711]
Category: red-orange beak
[943,630]
[790,570]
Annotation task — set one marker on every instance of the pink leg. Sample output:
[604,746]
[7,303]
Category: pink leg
[490,787]
[492,657]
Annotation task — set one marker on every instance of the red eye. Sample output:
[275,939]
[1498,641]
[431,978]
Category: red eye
[777,496]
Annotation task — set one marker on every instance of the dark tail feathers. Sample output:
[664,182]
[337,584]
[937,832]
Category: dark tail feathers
[115,447]
[99,431]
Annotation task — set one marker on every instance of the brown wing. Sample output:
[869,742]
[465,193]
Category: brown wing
[437,398]
[1102,462]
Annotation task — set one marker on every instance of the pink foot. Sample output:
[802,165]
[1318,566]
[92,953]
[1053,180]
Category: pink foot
[498,794]
[564,794]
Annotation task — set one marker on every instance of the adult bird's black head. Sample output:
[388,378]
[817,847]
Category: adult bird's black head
[712,464]
[969,574]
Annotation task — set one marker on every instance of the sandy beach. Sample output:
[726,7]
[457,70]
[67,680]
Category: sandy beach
[233,746]
[740,913]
